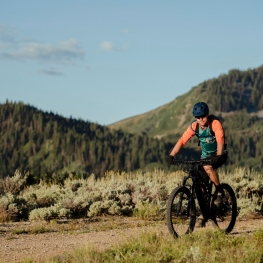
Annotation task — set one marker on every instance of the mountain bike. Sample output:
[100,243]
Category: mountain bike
[183,209]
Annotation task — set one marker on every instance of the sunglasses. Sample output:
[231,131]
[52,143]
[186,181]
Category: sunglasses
[200,117]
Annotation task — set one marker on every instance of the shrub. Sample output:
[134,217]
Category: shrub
[141,194]
[8,208]
[149,210]
[13,184]
[41,195]
[106,207]
[48,213]
[77,202]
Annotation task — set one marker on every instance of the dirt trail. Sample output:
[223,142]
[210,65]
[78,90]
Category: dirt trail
[15,247]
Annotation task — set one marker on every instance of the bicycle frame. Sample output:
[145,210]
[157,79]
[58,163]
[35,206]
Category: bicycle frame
[195,188]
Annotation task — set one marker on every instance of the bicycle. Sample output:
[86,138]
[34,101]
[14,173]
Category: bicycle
[182,211]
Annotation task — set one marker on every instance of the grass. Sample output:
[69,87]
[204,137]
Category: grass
[152,246]
[77,226]
[204,246]
[34,230]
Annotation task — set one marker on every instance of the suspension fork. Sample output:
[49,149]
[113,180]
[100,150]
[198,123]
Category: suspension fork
[191,201]
[199,194]
[179,205]
[191,198]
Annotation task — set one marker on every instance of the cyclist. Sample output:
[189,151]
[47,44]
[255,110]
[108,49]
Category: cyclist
[212,141]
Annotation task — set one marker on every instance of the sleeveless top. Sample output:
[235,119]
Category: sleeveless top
[207,142]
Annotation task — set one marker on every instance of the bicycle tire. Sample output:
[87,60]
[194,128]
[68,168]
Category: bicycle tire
[226,213]
[180,212]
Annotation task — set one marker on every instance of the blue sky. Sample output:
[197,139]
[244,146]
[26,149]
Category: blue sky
[104,61]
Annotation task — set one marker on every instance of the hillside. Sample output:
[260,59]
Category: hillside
[45,144]
[48,145]
[238,92]
[236,97]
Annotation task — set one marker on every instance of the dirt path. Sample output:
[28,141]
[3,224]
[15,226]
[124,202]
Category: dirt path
[14,247]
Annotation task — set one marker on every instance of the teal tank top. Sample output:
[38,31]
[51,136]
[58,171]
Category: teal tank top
[207,142]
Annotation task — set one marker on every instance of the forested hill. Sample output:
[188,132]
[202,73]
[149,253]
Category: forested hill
[229,94]
[236,97]
[41,142]
[47,143]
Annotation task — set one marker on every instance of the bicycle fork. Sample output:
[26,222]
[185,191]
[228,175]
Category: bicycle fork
[179,205]
[190,201]
[204,206]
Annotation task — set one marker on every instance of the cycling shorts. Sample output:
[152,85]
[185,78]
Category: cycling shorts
[217,160]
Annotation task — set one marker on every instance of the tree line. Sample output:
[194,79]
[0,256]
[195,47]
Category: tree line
[47,143]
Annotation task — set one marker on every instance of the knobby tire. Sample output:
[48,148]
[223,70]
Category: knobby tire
[225,215]
[180,212]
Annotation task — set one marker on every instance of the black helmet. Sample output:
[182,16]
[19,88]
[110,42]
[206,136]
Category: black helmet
[200,108]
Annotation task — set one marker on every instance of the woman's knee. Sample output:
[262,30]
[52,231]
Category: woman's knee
[208,168]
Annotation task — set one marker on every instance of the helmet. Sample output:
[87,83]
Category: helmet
[200,108]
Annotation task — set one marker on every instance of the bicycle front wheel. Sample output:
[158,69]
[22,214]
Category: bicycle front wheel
[181,212]
[225,213]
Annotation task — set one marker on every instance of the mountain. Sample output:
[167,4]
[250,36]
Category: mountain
[236,97]
[51,146]
[46,143]
[226,95]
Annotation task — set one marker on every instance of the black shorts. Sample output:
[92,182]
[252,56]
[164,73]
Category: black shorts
[217,160]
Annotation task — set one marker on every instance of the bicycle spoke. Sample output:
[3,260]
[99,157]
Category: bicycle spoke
[180,212]
[226,211]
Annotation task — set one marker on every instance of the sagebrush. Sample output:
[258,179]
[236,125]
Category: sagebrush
[117,193]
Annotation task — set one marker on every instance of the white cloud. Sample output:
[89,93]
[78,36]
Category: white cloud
[108,46]
[64,52]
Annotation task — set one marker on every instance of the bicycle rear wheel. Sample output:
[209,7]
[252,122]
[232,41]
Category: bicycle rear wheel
[225,213]
[181,212]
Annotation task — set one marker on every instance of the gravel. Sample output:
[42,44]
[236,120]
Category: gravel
[16,247]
